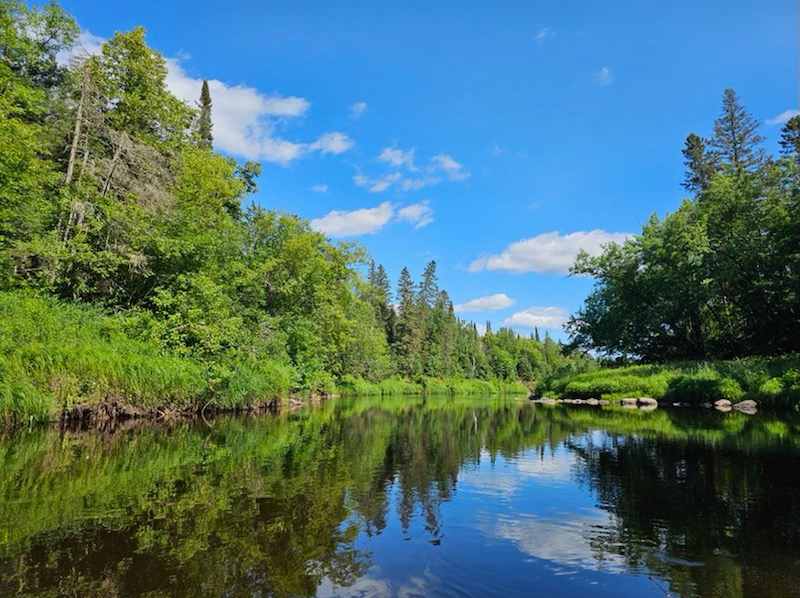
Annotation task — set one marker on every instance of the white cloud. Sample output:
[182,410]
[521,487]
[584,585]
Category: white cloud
[244,118]
[604,76]
[333,143]
[419,214]
[378,185]
[319,188]
[543,34]
[357,110]
[547,252]
[783,117]
[286,106]
[488,303]
[454,170]
[365,221]
[87,44]
[397,157]
[415,184]
[541,317]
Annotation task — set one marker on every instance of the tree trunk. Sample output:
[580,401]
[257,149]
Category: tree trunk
[76,135]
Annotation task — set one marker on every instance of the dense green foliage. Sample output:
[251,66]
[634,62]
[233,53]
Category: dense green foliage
[111,195]
[719,277]
[773,381]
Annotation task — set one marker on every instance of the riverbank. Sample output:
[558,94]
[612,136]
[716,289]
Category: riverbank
[770,381]
[64,361]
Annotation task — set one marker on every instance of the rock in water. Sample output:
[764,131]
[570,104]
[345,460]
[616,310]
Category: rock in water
[648,401]
[722,403]
[748,407]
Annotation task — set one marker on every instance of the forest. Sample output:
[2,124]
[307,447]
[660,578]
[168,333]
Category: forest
[135,267]
[719,278]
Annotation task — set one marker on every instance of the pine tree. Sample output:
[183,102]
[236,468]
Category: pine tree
[408,340]
[790,137]
[700,166]
[204,125]
[429,287]
[735,140]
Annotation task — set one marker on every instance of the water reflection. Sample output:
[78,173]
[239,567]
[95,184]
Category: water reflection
[408,497]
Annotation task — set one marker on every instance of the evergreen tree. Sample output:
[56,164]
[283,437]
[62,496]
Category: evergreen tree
[735,140]
[408,340]
[700,165]
[429,287]
[790,137]
[204,124]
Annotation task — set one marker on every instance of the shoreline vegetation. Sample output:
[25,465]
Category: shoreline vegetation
[772,382]
[61,362]
[138,277]
[138,274]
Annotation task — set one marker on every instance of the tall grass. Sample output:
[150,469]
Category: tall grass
[773,381]
[55,355]
[351,386]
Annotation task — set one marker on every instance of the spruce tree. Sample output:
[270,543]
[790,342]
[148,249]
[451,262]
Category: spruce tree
[735,140]
[790,137]
[429,287]
[699,163]
[204,125]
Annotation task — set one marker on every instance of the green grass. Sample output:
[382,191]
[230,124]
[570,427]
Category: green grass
[351,386]
[55,355]
[772,381]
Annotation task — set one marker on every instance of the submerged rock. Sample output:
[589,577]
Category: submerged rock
[629,402]
[748,407]
[648,406]
[648,401]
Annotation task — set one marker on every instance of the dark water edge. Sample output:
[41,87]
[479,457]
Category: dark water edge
[407,496]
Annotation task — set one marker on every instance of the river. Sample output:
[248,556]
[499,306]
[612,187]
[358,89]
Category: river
[407,497]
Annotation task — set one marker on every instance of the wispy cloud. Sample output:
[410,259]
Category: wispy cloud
[488,303]
[547,252]
[398,158]
[365,221]
[783,117]
[454,170]
[538,317]
[543,34]
[332,143]
[604,76]
[419,214]
[319,188]
[357,110]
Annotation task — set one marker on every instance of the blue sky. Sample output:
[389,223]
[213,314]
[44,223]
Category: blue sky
[462,132]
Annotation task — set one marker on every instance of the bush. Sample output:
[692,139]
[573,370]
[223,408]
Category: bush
[705,386]
[352,386]
[398,386]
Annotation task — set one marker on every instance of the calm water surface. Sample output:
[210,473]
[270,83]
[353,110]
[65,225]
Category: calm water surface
[408,497]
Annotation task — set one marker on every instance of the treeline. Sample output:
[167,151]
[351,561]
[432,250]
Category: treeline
[111,195]
[426,338]
[719,277]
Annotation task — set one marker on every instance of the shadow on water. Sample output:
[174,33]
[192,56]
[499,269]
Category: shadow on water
[408,497]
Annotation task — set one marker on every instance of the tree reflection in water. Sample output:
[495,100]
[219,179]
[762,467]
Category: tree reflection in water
[707,504]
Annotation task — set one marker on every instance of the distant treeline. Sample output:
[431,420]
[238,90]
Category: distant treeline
[719,277]
[111,196]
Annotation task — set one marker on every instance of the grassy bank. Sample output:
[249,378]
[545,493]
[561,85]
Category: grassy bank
[55,357]
[350,386]
[772,381]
